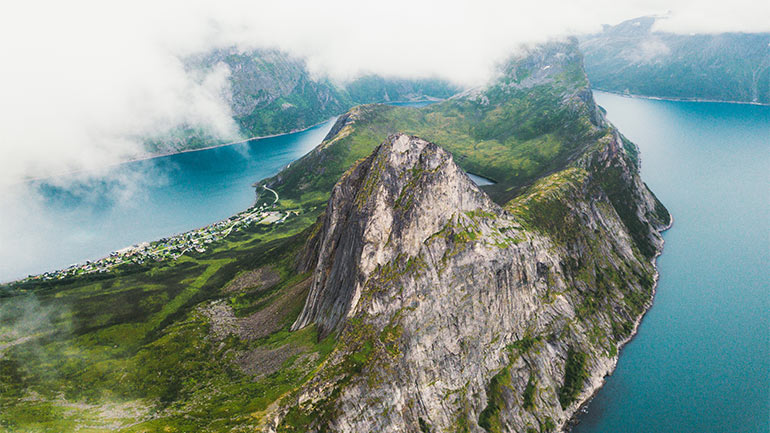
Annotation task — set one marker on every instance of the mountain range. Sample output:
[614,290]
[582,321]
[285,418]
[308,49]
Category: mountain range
[635,58]
[269,92]
[394,295]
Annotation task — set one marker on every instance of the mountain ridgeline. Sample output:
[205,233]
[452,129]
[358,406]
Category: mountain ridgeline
[272,92]
[633,58]
[536,117]
[456,313]
[397,295]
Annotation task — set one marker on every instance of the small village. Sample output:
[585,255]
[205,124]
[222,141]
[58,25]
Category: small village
[172,247]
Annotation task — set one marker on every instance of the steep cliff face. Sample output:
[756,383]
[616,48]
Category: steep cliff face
[382,209]
[271,91]
[457,314]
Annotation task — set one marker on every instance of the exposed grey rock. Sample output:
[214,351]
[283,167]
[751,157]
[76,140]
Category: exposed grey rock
[383,208]
[435,289]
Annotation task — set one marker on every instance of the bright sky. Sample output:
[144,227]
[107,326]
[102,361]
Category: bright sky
[83,80]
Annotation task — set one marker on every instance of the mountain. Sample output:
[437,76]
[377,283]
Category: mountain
[536,117]
[393,295]
[272,92]
[374,88]
[455,313]
[632,57]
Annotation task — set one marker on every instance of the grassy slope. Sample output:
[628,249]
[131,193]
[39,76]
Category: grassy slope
[131,350]
[510,135]
[132,345]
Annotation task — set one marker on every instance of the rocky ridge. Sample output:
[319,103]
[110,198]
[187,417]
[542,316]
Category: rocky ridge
[457,314]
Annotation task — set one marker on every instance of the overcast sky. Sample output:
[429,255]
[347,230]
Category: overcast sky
[82,81]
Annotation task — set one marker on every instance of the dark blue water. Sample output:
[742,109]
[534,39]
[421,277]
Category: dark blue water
[88,217]
[701,359]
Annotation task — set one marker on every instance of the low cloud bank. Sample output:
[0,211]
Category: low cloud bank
[85,83]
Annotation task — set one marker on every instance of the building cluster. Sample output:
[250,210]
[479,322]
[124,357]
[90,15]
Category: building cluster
[172,247]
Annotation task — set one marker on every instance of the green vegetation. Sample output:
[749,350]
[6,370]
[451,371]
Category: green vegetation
[424,426]
[725,67]
[180,346]
[510,133]
[136,344]
[525,344]
[546,205]
[548,425]
[528,397]
[574,377]
[374,88]
[489,419]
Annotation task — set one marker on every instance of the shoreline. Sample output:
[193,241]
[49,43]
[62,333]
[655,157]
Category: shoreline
[245,140]
[153,156]
[150,156]
[582,407]
[665,98]
[163,155]
[96,259]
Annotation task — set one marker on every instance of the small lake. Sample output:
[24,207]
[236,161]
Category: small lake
[701,360]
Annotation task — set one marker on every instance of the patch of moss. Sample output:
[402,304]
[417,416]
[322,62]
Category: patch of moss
[489,418]
[528,397]
[574,377]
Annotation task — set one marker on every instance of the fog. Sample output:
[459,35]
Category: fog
[83,83]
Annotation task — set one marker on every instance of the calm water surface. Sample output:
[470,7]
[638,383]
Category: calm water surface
[701,360]
[146,200]
[92,215]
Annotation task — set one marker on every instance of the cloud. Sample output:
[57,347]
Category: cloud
[84,81]
[647,50]
[83,85]
[689,16]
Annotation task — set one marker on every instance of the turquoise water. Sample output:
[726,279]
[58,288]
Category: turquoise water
[144,200]
[51,224]
[479,180]
[701,360]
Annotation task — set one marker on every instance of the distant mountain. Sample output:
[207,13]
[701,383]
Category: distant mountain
[392,295]
[272,92]
[374,88]
[633,58]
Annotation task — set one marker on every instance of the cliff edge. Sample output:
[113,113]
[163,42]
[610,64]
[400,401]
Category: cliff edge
[454,313]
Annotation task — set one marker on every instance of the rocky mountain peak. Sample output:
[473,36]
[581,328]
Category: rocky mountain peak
[383,208]
[454,314]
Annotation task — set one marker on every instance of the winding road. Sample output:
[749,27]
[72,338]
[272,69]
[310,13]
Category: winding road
[273,191]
